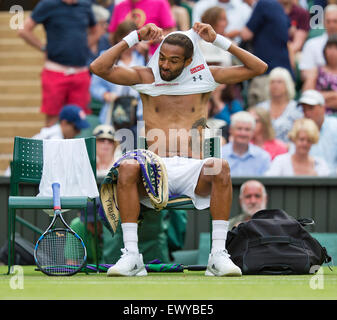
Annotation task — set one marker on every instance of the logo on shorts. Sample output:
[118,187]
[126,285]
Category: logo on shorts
[197,68]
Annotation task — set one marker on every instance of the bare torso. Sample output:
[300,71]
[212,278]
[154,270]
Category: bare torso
[169,120]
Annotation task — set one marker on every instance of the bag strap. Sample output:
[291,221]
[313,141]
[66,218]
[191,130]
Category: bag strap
[305,221]
[274,239]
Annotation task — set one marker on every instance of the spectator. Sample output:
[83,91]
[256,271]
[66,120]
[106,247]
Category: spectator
[264,134]
[217,18]
[225,103]
[180,15]
[142,12]
[304,134]
[283,109]
[65,76]
[312,103]
[108,92]
[107,149]
[299,21]
[237,12]
[101,41]
[72,120]
[312,54]
[253,198]
[324,78]
[267,28]
[244,158]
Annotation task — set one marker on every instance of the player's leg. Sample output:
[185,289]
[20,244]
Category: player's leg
[129,190]
[215,180]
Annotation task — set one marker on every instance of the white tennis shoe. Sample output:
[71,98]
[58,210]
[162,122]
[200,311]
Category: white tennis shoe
[220,264]
[130,264]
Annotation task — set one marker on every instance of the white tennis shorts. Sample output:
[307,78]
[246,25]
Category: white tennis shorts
[183,174]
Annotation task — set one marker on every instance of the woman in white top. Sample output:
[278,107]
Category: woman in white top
[281,104]
[304,134]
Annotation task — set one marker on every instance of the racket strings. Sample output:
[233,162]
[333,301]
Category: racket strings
[60,252]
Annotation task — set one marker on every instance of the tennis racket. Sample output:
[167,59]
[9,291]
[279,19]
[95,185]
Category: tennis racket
[59,251]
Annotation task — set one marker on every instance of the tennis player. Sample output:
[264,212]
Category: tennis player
[175,87]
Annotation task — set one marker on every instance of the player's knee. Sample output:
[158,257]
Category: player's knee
[128,172]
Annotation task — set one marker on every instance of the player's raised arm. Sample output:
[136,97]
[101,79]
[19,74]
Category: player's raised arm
[105,65]
[252,65]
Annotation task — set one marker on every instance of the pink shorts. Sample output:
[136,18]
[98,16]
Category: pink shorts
[59,89]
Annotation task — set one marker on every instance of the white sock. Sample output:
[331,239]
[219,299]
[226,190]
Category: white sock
[219,234]
[130,236]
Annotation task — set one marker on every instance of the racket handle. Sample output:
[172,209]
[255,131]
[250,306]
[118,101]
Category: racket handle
[56,196]
[196,268]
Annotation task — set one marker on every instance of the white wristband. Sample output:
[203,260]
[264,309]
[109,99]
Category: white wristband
[132,38]
[222,42]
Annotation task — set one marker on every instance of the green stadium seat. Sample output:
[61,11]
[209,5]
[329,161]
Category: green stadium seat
[26,167]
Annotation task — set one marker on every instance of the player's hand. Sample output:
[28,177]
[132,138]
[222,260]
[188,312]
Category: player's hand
[205,31]
[151,32]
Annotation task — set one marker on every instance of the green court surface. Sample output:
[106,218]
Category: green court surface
[190,285]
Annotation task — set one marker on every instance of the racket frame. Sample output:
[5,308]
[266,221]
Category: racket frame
[58,215]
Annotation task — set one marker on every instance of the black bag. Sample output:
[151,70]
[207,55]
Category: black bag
[274,243]
[124,112]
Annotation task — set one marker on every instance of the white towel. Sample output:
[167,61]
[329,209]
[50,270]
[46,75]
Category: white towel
[66,161]
[195,78]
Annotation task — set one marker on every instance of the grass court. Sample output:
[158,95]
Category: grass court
[190,285]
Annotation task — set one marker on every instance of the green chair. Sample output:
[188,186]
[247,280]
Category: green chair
[211,148]
[26,167]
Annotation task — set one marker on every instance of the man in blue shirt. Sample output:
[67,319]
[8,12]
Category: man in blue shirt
[244,158]
[65,76]
[312,103]
[267,28]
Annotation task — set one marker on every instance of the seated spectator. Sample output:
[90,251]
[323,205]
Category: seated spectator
[264,134]
[107,149]
[224,103]
[180,15]
[324,78]
[244,158]
[72,120]
[312,53]
[283,109]
[253,198]
[267,28]
[312,103]
[303,134]
[100,40]
[237,12]
[217,18]
[108,92]
[298,32]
